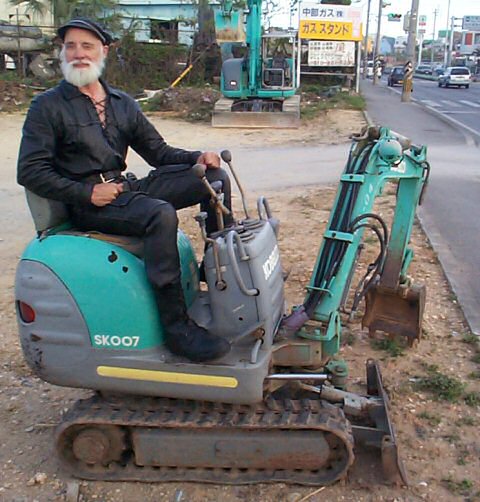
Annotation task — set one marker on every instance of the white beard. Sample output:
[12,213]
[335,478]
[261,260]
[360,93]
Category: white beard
[81,77]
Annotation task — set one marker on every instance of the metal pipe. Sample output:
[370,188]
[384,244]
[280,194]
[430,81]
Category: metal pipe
[233,262]
[227,158]
[298,376]
[201,218]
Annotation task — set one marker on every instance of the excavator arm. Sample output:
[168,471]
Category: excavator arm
[393,305]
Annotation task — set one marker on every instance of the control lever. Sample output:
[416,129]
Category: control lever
[201,219]
[227,158]
[199,170]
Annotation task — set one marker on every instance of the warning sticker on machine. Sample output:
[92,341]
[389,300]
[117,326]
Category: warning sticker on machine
[331,53]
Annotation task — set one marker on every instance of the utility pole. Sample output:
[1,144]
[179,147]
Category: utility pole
[450,44]
[445,51]
[365,43]
[435,12]
[376,59]
[412,32]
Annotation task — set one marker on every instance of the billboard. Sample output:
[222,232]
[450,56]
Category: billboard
[331,53]
[471,23]
[330,22]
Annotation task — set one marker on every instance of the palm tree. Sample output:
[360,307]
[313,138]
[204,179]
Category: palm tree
[63,10]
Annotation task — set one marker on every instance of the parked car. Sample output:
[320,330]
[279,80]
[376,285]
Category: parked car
[424,69]
[396,76]
[455,75]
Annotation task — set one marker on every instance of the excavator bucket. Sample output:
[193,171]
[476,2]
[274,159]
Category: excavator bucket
[229,28]
[396,311]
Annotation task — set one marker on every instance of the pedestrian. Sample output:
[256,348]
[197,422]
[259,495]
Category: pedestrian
[73,149]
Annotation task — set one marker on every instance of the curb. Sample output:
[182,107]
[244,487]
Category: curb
[367,118]
[472,137]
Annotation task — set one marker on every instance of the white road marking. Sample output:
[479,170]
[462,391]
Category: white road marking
[429,102]
[470,103]
[450,103]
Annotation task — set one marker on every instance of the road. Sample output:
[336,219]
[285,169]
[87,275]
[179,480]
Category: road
[458,105]
[451,206]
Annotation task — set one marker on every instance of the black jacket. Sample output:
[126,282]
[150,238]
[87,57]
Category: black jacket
[64,143]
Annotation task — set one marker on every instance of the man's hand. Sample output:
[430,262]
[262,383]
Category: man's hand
[104,193]
[210,159]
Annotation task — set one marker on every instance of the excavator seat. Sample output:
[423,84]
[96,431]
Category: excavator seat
[278,73]
[48,214]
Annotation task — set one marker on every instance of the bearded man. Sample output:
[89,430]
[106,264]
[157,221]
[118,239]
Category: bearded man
[74,145]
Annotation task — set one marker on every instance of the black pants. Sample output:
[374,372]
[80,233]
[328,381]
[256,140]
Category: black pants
[147,209]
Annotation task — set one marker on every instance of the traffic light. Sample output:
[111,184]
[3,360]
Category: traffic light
[395,17]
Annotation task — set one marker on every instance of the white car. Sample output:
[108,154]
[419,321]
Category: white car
[455,75]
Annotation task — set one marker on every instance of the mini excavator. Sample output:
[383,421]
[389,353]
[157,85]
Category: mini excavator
[259,88]
[275,409]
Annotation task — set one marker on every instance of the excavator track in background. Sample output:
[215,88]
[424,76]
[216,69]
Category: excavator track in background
[303,441]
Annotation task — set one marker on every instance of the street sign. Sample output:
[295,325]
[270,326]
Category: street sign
[394,17]
[471,23]
[330,22]
[331,53]
[443,33]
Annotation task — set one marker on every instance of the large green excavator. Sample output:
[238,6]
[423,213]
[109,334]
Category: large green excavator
[275,408]
[259,89]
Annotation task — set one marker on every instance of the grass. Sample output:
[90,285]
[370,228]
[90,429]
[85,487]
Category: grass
[472,398]
[470,421]
[476,358]
[433,420]
[316,99]
[391,346]
[462,487]
[470,338]
[441,386]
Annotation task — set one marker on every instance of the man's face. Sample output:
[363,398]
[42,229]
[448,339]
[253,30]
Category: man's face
[82,57]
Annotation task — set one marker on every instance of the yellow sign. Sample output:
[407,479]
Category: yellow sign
[327,30]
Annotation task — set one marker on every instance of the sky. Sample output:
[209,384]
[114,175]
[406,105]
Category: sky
[458,8]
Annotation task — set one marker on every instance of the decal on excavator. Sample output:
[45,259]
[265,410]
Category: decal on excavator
[271,263]
[116,341]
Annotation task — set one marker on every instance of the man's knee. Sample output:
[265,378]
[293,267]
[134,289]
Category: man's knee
[163,218]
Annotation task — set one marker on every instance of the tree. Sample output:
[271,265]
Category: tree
[63,10]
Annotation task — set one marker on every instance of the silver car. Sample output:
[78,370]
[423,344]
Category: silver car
[455,75]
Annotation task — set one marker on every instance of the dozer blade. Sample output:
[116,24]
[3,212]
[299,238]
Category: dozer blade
[288,117]
[396,311]
[382,435]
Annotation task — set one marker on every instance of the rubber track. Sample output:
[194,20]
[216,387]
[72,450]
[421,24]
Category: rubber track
[287,415]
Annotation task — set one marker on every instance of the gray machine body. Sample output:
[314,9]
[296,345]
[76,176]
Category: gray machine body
[232,73]
[57,345]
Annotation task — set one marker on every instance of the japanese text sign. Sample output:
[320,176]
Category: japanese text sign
[330,22]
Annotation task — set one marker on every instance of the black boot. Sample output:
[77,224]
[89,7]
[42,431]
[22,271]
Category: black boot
[182,336]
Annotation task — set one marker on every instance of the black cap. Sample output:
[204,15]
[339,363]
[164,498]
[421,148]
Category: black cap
[84,23]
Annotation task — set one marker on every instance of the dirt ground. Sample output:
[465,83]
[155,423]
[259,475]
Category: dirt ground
[438,438]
